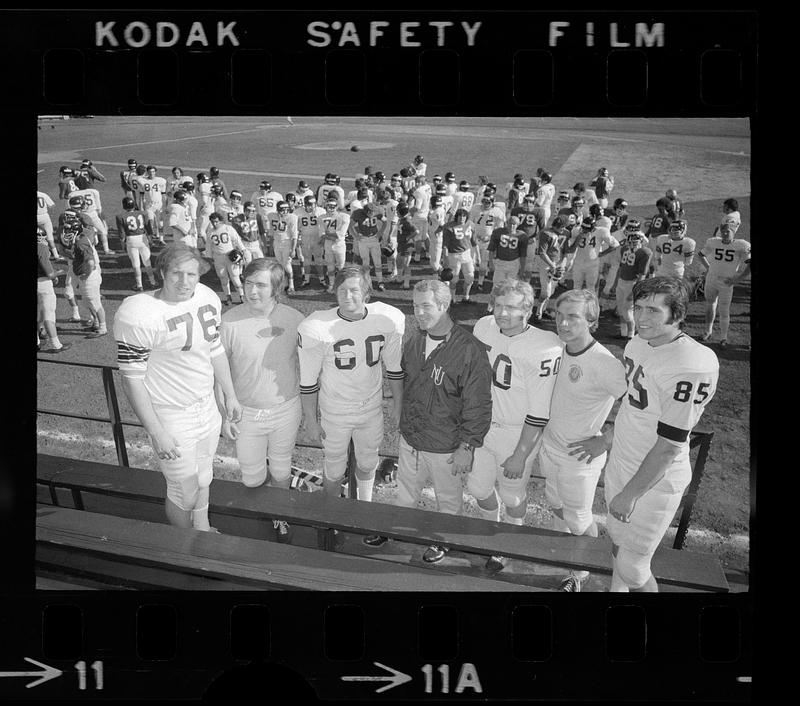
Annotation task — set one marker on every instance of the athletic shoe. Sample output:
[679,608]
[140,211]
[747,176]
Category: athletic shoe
[64,347]
[375,540]
[137,288]
[75,320]
[547,314]
[97,334]
[570,585]
[495,563]
[381,286]
[434,554]
[281,527]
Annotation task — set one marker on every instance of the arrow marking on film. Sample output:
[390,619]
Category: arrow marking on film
[46,674]
[395,679]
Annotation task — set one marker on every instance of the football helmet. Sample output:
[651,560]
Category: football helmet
[187,185]
[450,177]
[491,188]
[402,209]
[546,177]
[387,251]
[436,201]
[463,185]
[128,203]
[216,189]
[76,202]
[587,223]
[236,195]
[446,274]
[214,172]
[563,196]
[264,185]
[632,226]
[41,236]
[677,229]
[249,206]
[419,159]
[310,203]
[329,178]
[282,207]
[180,197]
[68,233]
[236,256]
[487,201]
[203,178]
[132,164]
[331,204]
[65,171]
[337,179]
[595,210]
[437,179]
[441,190]
[379,177]
[620,203]
[528,202]
[302,184]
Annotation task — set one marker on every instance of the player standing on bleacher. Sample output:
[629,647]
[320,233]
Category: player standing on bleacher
[170,356]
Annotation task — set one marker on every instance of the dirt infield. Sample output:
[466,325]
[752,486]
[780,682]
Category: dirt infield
[705,160]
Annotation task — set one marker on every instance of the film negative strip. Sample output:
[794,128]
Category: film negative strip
[279,95]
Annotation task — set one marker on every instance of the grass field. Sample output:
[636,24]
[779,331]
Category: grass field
[705,160]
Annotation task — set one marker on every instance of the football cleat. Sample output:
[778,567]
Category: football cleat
[387,251]
[434,554]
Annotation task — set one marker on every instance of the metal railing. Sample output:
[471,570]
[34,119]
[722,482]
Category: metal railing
[701,440]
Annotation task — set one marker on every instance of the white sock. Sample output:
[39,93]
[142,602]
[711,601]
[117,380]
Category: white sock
[55,342]
[200,519]
[364,489]
[76,313]
[490,514]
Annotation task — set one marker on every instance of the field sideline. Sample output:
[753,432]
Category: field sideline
[706,161]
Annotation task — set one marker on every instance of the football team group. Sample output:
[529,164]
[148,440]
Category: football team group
[479,406]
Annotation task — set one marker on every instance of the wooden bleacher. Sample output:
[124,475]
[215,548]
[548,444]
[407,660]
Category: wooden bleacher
[248,512]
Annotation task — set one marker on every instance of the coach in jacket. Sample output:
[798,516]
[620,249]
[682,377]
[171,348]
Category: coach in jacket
[447,404]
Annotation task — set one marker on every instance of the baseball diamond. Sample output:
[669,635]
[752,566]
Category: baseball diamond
[518,323]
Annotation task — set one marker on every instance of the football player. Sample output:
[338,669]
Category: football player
[549,262]
[187,186]
[132,229]
[730,215]
[387,206]
[125,177]
[246,226]
[407,237]
[461,251]
[330,186]
[341,380]
[588,195]
[93,209]
[302,191]
[436,219]
[447,200]
[170,356]
[205,204]
[659,224]
[216,179]
[619,218]
[516,190]
[528,216]
[283,230]
[508,253]
[396,187]
[597,212]
[419,205]
[175,181]
[66,182]
[137,184]
[220,240]
[634,265]
[485,218]
[311,235]
[154,188]
[524,363]
[46,298]
[602,184]
[179,221]
[235,205]
[260,340]
[726,261]
[335,224]
[265,200]
[545,195]
[86,268]
[676,205]
[43,221]
[573,451]
[90,172]
[674,251]
[218,202]
[671,378]
[587,246]
[462,198]
[420,166]
[574,214]
[452,186]
[366,227]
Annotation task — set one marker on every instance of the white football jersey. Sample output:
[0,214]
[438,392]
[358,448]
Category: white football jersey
[725,260]
[545,195]
[43,202]
[674,254]
[669,386]
[283,228]
[486,221]
[91,199]
[266,202]
[153,190]
[524,369]
[586,387]
[589,245]
[326,190]
[340,357]
[170,344]
[335,226]
[222,239]
[462,199]
[180,217]
[309,225]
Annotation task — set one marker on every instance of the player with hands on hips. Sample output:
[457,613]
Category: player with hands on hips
[343,352]
[524,362]
[727,262]
[671,378]
[447,407]
[573,450]
[170,356]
